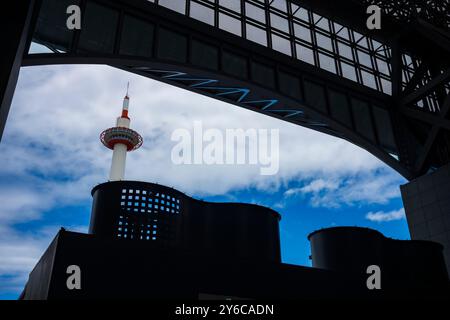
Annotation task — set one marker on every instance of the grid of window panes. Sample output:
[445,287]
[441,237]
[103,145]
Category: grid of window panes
[146,214]
[299,33]
[143,201]
[128,228]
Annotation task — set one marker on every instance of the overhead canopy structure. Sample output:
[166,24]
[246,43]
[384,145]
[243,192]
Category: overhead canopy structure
[310,62]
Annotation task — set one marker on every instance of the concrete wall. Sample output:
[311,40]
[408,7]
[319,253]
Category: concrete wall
[427,206]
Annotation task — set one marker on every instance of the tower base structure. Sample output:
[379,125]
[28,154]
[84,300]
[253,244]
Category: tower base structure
[427,207]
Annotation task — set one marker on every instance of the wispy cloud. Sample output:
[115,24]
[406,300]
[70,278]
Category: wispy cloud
[365,187]
[314,186]
[381,216]
[20,251]
[51,156]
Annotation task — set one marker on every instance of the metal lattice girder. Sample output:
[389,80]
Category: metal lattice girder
[283,59]
[435,12]
[437,127]
[413,32]
[425,89]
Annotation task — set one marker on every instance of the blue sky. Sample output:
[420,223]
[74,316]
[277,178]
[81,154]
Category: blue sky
[51,158]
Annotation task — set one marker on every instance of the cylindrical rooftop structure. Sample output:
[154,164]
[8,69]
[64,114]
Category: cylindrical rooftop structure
[403,263]
[167,218]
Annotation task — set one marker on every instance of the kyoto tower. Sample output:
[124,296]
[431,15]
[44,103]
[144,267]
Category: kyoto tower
[120,139]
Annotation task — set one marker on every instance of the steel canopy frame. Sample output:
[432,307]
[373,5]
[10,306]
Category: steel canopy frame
[273,83]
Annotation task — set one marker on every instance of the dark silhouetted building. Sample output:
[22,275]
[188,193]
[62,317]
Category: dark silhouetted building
[151,241]
[405,265]
[427,207]
[386,91]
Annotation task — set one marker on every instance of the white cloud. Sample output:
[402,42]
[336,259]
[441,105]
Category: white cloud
[314,187]
[20,251]
[21,203]
[366,187]
[381,216]
[54,126]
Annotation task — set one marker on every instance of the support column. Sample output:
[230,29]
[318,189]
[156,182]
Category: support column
[15,20]
[427,206]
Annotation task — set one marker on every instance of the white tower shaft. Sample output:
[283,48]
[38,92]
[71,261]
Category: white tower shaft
[120,150]
[119,158]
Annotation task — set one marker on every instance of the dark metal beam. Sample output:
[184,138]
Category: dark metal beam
[438,36]
[431,138]
[425,116]
[396,76]
[15,22]
[424,90]
[416,78]
[352,13]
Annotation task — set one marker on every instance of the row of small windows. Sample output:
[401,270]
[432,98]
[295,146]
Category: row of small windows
[122,137]
[137,230]
[125,235]
[151,209]
[143,198]
[148,201]
[145,192]
[123,222]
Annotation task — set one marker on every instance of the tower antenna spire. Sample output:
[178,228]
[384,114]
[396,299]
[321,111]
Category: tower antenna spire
[128,87]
